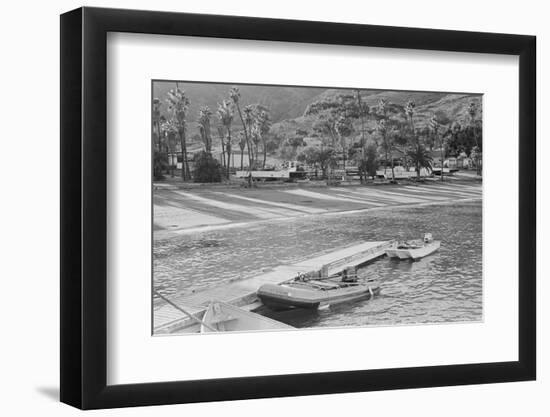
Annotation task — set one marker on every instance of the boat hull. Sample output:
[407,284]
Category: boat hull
[413,254]
[284,297]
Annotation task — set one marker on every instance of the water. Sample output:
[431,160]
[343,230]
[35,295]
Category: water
[443,287]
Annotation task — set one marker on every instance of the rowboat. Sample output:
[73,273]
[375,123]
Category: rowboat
[223,317]
[414,249]
[314,293]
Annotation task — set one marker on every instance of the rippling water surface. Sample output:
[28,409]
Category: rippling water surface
[443,287]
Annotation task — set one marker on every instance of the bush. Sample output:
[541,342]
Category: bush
[160,162]
[207,169]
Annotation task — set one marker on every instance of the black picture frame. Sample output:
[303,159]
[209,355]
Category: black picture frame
[84,207]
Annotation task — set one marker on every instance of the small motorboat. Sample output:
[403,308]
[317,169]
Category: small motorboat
[414,249]
[315,293]
[223,317]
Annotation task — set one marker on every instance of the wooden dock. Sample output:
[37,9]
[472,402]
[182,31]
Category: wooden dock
[168,319]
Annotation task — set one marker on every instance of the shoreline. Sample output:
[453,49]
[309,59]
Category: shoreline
[211,228]
[179,212]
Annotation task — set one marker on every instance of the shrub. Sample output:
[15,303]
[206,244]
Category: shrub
[160,162]
[207,169]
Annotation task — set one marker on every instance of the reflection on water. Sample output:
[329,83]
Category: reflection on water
[443,287]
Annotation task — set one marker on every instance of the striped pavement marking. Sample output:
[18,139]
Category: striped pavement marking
[250,210]
[303,209]
[229,198]
[371,197]
[461,189]
[407,196]
[320,196]
[188,210]
[434,191]
[368,199]
[447,191]
[395,197]
[458,186]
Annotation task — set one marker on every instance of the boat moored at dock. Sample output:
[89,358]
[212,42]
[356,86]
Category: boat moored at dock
[414,249]
[315,293]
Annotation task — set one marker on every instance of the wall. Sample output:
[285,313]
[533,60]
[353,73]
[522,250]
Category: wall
[29,219]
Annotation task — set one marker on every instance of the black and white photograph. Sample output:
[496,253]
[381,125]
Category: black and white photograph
[280,207]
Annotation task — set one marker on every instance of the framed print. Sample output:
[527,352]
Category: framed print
[257,208]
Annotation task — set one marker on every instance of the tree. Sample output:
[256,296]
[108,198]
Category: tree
[421,158]
[262,125]
[325,127]
[225,114]
[248,112]
[235,97]
[363,111]
[207,169]
[159,164]
[371,160]
[242,146]
[178,105]
[289,148]
[344,128]
[386,133]
[324,158]
[331,110]
[409,112]
[435,126]
[170,131]
[221,135]
[475,156]
[472,111]
[156,124]
[204,128]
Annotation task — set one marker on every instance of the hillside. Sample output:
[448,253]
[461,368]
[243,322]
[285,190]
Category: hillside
[287,106]
[283,102]
[453,106]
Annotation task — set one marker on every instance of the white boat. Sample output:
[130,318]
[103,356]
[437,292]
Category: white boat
[414,249]
[223,317]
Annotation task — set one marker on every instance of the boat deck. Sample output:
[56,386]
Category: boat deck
[168,319]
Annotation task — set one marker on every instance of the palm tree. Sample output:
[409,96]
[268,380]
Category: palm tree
[248,125]
[363,111]
[242,146]
[225,114]
[262,125]
[344,128]
[409,112]
[221,135]
[386,145]
[434,125]
[159,162]
[383,130]
[204,127]
[472,111]
[156,122]
[178,105]
[235,96]
[421,158]
[169,131]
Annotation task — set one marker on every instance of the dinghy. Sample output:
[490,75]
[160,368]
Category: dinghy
[314,293]
[223,317]
[414,249]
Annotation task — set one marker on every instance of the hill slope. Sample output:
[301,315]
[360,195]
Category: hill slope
[283,102]
[287,106]
[453,106]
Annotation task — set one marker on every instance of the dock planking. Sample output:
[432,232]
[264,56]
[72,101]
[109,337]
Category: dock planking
[168,319]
